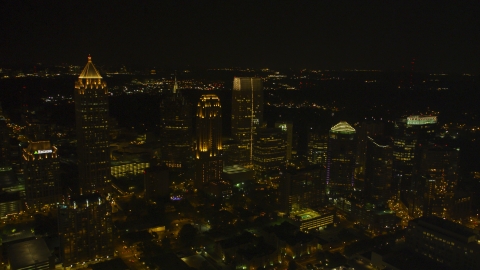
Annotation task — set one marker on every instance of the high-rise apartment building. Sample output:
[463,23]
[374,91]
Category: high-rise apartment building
[412,135]
[378,169]
[269,151]
[247,113]
[342,145]
[209,162]
[85,229]
[91,111]
[176,130]
[41,169]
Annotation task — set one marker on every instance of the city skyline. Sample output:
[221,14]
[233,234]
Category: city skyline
[321,35]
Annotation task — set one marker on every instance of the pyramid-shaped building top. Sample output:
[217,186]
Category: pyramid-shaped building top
[90,72]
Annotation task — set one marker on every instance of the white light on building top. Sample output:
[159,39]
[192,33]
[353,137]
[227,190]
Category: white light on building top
[421,120]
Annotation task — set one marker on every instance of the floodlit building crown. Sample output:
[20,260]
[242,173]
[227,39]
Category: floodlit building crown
[90,72]
[343,127]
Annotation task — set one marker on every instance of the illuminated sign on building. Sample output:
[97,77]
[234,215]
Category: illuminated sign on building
[42,152]
[421,120]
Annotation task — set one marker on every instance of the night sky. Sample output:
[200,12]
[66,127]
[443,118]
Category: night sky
[443,36]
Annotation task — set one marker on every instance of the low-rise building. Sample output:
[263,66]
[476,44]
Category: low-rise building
[444,241]
[308,219]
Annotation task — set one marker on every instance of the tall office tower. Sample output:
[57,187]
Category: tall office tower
[41,169]
[366,128]
[411,134]
[176,130]
[439,166]
[342,145]
[209,162]
[317,148]
[85,229]
[157,181]
[269,152]
[247,114]
[378,169]
[91,111]
[4,142]
[301,188]
[287,127]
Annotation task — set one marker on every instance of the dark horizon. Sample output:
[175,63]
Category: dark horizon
[337,35]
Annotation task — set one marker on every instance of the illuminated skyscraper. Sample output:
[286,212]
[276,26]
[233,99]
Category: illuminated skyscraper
[176,130]
[42,174]
[85,229]
[209,163]
[91,111]
[269,151]
[247,113]
[439,166]
[412,134]
[342,145]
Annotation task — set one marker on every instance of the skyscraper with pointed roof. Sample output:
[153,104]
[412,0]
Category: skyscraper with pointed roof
[91,111]
[176,130]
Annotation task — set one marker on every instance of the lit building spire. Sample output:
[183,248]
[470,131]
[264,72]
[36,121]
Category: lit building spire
[175,85]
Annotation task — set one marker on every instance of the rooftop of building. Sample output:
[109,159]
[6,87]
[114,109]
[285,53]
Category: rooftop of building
[40,147]
[343,128]
[24,254]
[83,199]
[407,259]
[256,251]
[444,226]
[90,72]
[235,169]
[289,233]
[158,168]
[421,119]
[116,263]
[242,239]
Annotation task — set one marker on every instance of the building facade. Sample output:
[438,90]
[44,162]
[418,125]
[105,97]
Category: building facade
[341,153]
[301,189]
[91,111]
[378,169]
[247,114]
[439,166]
[209,162]
[176,131]
[444,241]
[41,169]
[85,229]
[157,182]
[412,135]
[269,151]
